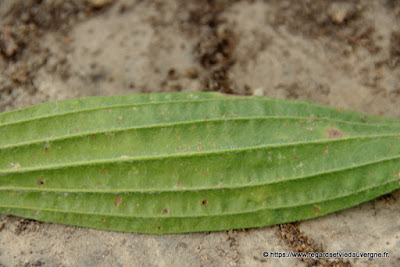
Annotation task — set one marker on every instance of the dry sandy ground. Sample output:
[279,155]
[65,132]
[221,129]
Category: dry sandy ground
[341,53]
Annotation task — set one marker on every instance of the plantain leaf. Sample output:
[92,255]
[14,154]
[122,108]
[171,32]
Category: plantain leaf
[190,162]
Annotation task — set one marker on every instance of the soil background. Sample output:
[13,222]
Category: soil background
[340,53]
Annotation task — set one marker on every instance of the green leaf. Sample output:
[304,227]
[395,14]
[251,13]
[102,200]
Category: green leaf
[190,162]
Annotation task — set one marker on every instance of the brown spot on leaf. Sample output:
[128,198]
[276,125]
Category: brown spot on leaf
[204,202]
[200,148]
[363,118]
[316,210]
[46,149]
[40,181]
[165,211]
[104,170]
[334,133]
[117,201]
[93,136]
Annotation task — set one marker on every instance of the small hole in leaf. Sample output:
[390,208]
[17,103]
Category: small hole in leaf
[204,203]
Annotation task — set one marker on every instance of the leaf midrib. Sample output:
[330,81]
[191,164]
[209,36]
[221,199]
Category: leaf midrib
[196,189]
[190,154]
